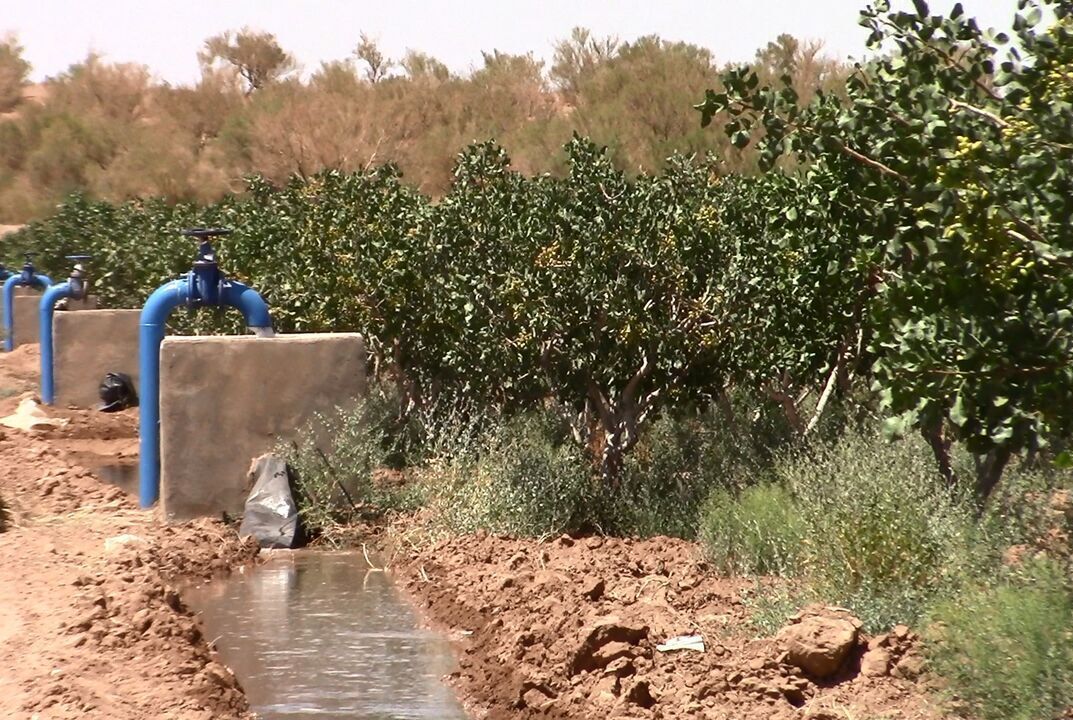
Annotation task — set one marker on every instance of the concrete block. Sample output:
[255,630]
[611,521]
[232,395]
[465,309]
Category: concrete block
[226,400]
[27,314]
[86,346]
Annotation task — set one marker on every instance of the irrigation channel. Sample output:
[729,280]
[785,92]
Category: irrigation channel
[317,634]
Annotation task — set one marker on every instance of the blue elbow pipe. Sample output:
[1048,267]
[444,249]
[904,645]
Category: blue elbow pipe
[45,312]
[248,301]
[151,334]
[39,281]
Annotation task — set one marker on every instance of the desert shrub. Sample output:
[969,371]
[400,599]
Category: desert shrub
[334,458]
[758,530]
[882,529]
[674,468]
[522,477]
[876,529]
[1006,647]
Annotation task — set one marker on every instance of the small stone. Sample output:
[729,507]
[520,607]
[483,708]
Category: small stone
[876,662]
[622,667]
[119,542]
[534,698]
[171,598]
[910,667]
[593,588]
[217,674]
[142,620]
[879,641]
[610,652]
[606,688]
[639,693]
[821,714]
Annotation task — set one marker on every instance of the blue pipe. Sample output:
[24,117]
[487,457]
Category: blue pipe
[150,335]
[45,311]
[37,281]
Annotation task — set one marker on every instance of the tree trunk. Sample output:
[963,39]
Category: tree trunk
[722,401]
[940,447]
[611,459]
[989,469]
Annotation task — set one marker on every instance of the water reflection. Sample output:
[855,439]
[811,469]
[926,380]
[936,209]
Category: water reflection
[317,634]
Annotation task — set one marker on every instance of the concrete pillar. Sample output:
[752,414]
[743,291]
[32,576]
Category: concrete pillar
[88,345]
[27,318]
[226,400]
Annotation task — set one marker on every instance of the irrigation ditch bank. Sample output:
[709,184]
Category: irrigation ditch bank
[94,622]
[90,618]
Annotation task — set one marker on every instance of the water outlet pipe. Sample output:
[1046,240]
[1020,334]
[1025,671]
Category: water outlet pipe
[28,277]
[205,285]
[76,288]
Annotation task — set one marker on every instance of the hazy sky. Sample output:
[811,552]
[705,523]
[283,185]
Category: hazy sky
[166,35]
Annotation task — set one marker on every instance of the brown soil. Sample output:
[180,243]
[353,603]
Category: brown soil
[568,629]
[90,621]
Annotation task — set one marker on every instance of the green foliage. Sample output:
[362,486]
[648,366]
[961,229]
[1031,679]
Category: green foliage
[945,162]
[758,530]
[882,529]
[1005,647]
[334,459]
[520,478]
[615,297]
[674,468]
[862,522]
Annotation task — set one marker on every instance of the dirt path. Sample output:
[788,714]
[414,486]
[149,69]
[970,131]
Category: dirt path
[90,621]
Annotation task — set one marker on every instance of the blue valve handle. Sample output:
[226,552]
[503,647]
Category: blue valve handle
[205,232]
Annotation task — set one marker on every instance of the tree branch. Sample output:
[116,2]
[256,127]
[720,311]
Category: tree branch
[824,396]
[958,105]
[875,164]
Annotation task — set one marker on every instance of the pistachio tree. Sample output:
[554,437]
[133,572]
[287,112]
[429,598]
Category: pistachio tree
[952,148]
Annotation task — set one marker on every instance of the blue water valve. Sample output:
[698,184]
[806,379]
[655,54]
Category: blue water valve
[78,279]
[26,277]
[205,276]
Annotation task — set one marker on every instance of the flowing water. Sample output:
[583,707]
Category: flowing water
[318,635]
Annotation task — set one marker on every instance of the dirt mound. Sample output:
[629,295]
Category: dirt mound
[90,617]
[570,629]
[19,372]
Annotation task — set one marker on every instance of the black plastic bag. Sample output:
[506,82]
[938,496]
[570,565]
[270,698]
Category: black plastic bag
[117,392]
[271,514]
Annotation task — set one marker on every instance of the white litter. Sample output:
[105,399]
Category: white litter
[118,542]
[682,642]
[29,416]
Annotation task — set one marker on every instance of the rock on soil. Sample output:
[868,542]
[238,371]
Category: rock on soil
[820,642]
[568,629]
